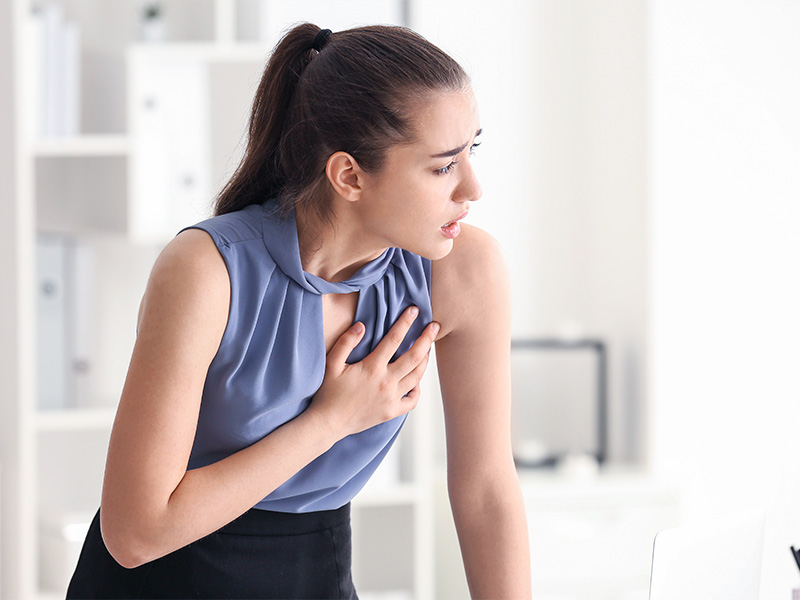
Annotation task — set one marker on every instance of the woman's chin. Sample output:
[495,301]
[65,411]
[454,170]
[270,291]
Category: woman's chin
[439,251]
[430,249]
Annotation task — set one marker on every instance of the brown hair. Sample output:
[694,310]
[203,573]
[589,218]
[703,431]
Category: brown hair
[357,95]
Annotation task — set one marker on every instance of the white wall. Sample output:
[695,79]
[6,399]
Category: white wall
[725,165]
[489,41]
[562,93]
[561,88]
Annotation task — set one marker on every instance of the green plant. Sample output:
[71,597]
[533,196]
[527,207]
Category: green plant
[152,11]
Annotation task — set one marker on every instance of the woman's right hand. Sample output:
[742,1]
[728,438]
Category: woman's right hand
[355,397]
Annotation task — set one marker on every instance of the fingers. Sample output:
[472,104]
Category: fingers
[419,351]
[411,381]
[394,337]
[344,346]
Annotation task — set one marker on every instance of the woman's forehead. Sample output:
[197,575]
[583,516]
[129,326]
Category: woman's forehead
[445,122]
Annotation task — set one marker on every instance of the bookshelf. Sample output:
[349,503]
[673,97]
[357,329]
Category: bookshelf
[87,190]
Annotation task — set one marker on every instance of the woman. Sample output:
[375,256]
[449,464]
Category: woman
[281,343]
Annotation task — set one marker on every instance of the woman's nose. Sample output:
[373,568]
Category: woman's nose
[469,189]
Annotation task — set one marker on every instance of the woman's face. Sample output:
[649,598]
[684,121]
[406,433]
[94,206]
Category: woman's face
[425,186]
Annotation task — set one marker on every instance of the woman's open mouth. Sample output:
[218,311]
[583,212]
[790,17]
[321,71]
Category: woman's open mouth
[453,228]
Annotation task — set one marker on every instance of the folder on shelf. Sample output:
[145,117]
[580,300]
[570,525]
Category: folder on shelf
[55,62]
[51,323]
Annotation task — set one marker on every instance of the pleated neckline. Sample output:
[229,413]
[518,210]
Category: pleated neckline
[281,240]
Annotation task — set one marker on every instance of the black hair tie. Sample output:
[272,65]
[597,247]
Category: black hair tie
[321,39]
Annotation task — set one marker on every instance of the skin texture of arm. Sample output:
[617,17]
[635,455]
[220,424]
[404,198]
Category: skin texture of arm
[151,505]
[471,299]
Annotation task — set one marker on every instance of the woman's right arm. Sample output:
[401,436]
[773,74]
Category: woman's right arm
[151,505]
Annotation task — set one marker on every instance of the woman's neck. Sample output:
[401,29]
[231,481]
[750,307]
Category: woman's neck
[334,252]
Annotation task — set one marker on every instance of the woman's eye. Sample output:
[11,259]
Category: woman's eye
[447,169]
[473,148]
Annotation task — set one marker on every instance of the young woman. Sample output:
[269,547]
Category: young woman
[281,342]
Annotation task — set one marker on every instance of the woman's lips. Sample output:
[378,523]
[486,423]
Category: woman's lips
[453,228]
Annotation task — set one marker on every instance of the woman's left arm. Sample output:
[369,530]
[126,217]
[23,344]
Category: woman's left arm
[471,300]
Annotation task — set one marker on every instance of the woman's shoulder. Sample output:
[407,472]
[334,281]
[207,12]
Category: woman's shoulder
[191,261]
[475,262]
[188,285]
[470,280]
[474,246]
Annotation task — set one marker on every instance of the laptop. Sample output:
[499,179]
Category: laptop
[713,561]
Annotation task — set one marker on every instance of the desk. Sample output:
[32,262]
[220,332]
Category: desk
[592,537]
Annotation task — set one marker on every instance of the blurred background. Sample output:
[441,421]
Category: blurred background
[641,171]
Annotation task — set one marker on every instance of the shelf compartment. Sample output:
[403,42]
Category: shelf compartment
[189,107]
[81,194]
[88,292]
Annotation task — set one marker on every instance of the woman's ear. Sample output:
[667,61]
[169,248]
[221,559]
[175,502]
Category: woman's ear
[345,176]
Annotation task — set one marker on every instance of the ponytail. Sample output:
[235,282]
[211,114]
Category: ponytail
[259,176]
[354,91]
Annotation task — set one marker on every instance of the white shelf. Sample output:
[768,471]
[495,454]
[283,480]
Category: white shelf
[82,145]
[83,185]
[75,419]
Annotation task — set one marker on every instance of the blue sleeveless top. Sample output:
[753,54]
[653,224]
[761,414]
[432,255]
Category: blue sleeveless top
[271,359]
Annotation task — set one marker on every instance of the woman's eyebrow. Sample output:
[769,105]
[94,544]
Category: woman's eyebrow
[455,151]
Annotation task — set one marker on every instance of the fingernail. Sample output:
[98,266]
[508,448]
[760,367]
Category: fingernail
[358,328]
[435,327]
[414,311]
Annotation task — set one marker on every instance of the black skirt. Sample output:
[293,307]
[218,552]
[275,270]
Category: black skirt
[262,554]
